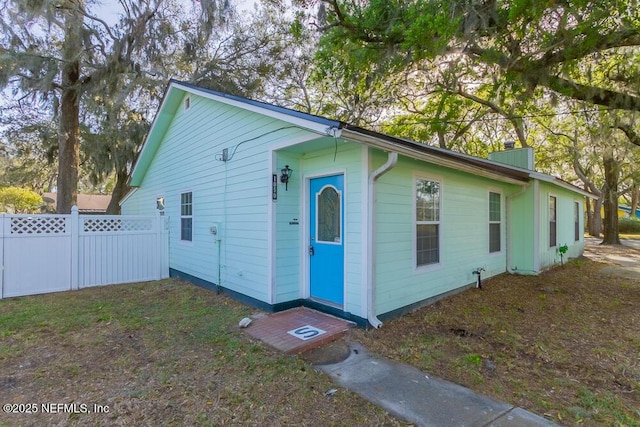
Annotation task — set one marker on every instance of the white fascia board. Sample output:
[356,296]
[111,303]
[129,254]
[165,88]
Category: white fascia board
[419,155]
[320,128]
[126,196]
[553,180]
[153,129]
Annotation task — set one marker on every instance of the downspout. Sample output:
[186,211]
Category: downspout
[509,198]
[392,159]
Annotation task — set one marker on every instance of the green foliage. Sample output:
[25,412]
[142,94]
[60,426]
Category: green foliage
[19,200]
[562,46]
[629,225]
[120,74]
[473,359]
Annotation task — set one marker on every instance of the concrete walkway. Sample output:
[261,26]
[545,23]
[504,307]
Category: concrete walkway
[624,260]
[410,394]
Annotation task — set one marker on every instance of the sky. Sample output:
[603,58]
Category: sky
[109,9]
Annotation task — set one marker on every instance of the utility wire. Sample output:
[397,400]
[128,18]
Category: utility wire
[257,137]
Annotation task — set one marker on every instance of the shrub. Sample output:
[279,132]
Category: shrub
[629,226]
[19,200]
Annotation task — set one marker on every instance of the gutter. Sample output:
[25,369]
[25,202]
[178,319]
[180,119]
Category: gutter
[392,160]
[446,159]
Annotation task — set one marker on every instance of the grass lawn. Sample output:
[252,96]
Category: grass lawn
[630,236]
[161,353]
[565,344]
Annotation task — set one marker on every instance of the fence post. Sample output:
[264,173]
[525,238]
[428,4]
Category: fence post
[2,225]
[163,246]
[157,256]
[75,253]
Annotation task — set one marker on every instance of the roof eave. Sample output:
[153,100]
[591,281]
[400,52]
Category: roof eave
[169,104]
[152,141]
[560,183]
[318,124]
[517,178]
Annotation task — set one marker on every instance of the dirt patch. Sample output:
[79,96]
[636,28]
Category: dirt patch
[333,352]
[621,260]
[564,344]
[626,255]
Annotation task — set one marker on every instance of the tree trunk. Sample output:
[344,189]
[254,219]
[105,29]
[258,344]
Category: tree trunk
[611,172]
[119,191]
[69,128]
[442,142]
[594,216]
[595,220]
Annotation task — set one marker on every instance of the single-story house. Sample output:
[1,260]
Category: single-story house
[625,212]
[87,203]
[280,208]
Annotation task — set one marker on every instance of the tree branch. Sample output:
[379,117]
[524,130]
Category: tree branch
[631,134]
[595,95]
[568,52]
[104,24]
[536,74]
[516,122]
[360,33]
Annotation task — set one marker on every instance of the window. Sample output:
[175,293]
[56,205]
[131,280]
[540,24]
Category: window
[576,221]
[427,222]
[328,216]
[495,223]
[553,230]
[186,218]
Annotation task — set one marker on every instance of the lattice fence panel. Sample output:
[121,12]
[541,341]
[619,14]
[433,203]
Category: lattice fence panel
[38,225]
[107,225]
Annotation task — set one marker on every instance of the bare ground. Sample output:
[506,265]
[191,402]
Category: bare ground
[151,354]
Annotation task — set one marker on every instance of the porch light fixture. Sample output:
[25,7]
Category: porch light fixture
[160,204]
[285,174]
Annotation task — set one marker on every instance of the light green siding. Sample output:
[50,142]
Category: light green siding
[464,233]
[520,157]
[263,253]
[521,208]
[287,232]
[531,252]
[565,199]
[235,193]
[344,157]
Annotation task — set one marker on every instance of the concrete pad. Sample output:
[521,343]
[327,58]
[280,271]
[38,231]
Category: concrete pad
[410,394]
[278,329]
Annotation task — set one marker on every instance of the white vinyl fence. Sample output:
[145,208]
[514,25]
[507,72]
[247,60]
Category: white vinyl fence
[51,253]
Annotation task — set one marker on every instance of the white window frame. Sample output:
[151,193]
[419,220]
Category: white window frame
[499,222]
[576,221]
[317,205]
[434,265]
[555,223]
[183,216]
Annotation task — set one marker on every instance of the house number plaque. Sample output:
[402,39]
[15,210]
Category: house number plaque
[274,187]
[306,332]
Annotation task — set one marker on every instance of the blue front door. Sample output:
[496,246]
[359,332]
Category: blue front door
[326,242]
